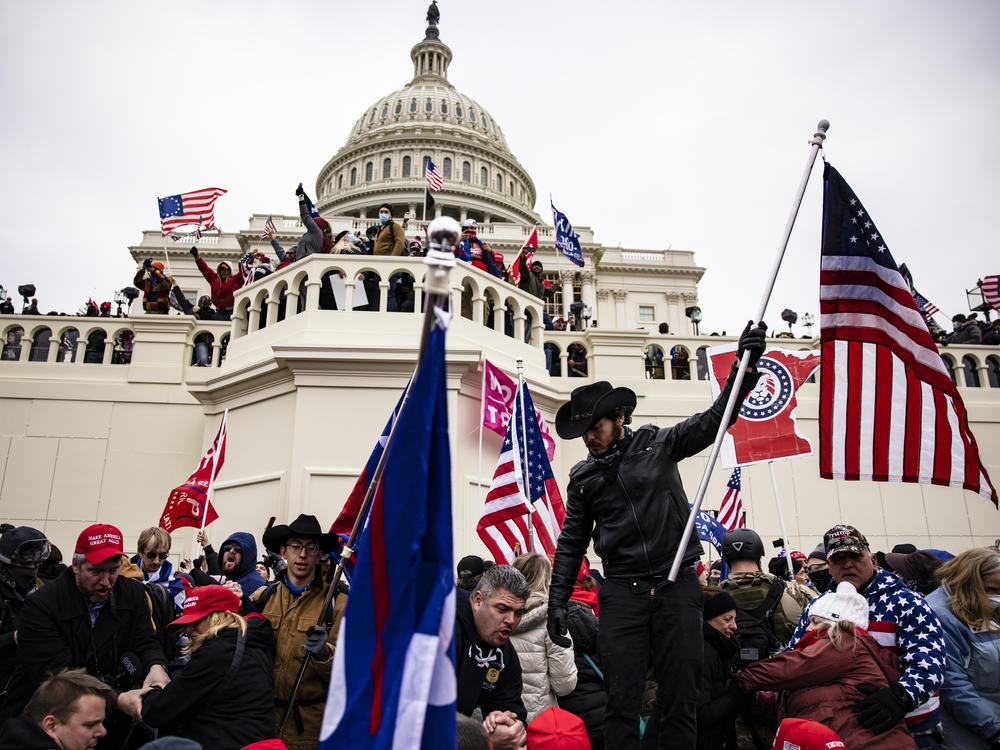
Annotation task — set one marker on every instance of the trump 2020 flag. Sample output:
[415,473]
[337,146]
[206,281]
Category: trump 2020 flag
[766,429]
[888,409]
[499,391]
[188,503]
[393,678]
[567,241]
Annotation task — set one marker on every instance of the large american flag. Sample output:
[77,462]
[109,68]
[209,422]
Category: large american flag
[889,411]
[731,511]
[503,526]
[991,292]
[434,181]
[196,207]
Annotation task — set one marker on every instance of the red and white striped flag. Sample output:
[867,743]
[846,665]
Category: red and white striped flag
[269,229]
[731,510]
[196,207]
[889,411]
[991,291]
[434,181]
[503,526]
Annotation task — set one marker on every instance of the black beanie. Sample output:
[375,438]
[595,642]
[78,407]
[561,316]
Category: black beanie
[717,605]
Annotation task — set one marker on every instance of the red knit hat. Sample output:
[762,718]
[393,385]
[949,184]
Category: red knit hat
[802,734]
[557,729]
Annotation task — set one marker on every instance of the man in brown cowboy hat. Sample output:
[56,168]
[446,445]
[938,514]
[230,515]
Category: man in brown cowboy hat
[293,603]
[627,495]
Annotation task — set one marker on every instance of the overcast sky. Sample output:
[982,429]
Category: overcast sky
[659,124]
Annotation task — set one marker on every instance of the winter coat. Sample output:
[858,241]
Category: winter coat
[588,699]
[821,684]
[246,574]
[222,291]
[314,240]
[529,282]
[291,615]
[900,620]
[213,702]
[717,704]
[477,662]
[970,697]
[970,333]
[20,733]
[636,510]
[155,290]
[55,633]
[547,670]
[12,595]
[390,239]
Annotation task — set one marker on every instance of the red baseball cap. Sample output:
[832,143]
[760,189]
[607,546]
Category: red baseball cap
[796,555]
[100,542]
[803,734]
[205,600]
[557,729]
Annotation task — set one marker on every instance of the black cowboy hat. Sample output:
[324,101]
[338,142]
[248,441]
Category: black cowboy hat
[276,536]
[588,404]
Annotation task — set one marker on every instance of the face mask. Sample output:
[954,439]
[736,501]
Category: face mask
[821,580]
[24,578]
[351,238]
[472,233]
[383,217]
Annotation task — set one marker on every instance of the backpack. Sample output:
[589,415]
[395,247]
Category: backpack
[755,625]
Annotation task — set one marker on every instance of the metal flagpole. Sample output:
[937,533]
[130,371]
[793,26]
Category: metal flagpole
[781,521]
[443,232]
[524,455]
[816,143]
[211,477]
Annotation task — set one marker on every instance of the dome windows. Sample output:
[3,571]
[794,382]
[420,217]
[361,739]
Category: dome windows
[472,115]
[466,172]
[458,111]
[446,168]
[354,176]
[483,177]
[399,108]
[371,118]
[406,166]
[429,106]
[340,181]
[385,111]
[444,107]
[499,182]
[387,169]
[369,171]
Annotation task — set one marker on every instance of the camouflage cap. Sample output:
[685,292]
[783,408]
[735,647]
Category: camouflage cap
[844,538]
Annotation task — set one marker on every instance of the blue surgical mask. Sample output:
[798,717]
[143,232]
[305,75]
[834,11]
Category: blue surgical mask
[351,238]
[383,217]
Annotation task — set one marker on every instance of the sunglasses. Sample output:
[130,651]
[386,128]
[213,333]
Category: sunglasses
[156,555]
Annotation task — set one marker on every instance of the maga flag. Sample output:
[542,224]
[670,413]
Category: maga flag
[766,428]
[567,240]
[393,678]
[498,399]
[187,503]
[888,409]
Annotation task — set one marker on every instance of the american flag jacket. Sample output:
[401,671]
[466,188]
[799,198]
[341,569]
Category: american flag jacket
[901,620]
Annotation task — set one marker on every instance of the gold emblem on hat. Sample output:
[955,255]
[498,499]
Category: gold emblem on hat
[493,674]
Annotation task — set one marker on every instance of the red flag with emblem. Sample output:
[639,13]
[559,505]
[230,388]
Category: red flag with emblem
[186,504]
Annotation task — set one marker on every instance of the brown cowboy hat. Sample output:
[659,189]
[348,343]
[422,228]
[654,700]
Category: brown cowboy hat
[304,526]
[588,404]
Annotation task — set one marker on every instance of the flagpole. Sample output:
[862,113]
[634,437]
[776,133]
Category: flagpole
[524,460]
[815,144]
[166,257]
[211,477]
[443,233]
[482,416]
[781,521]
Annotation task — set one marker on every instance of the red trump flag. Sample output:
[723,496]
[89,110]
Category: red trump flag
[187,503]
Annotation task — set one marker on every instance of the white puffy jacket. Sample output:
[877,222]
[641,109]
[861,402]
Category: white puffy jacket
[547,670]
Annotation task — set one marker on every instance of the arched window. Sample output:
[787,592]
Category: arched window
[399,108]
[371,118]
[483,177]
[971,371]
[654,362]
[499,183]
[340,181]
[446,168]
[385,111]
[444,107]
[458,111]
[406,166]
[387,169]
[472,115]
[949,365]
[466,172]
[40,345]
[369,171]
[413,105]
[429,106]
[993,371]
[511,185]
[354,176]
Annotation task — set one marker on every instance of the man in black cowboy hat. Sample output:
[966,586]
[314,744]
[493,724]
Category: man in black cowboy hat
[628,496]
[293,603]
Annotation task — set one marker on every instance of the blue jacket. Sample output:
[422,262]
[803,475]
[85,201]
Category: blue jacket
[970,697]
[246,575]
[902,620]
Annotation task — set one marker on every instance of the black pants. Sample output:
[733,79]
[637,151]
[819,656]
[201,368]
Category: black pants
[654,623]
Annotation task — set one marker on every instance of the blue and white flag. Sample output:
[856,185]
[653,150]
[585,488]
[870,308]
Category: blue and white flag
[393,679]
[567,241]
[709,529]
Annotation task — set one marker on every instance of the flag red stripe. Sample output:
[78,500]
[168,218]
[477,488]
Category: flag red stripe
[826,386]
[852,447]
[883,395]
[942,443]
[911,444]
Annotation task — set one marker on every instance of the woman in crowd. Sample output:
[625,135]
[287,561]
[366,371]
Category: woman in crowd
[547,670]
[718,703]
[831,669]
[224,697]
[968,604]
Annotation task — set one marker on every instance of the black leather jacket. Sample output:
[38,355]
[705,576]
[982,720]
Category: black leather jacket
[636,510]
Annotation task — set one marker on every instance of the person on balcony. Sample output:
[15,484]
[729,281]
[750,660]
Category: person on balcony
[391,237]
[223,285]
[155,287]
[474,250]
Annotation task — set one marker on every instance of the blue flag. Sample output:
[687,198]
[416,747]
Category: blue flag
[709,529]
[567,241]
[393,678]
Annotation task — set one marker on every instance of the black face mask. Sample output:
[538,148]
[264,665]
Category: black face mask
[24,578]
[821,579]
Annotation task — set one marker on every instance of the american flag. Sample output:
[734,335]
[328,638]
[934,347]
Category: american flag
[269,229]
[731,511]
[926,307]
[434,181]
[991,292]
[197,207]
[503,526]
[889,411]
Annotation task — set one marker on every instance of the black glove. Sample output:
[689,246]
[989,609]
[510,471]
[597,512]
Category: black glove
[194,252]
[752,339]
[884,707]
[147,263]
[556,624]
[316,643]
[299,191]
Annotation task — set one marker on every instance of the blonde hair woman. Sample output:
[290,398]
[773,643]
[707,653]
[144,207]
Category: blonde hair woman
[224,697]
[547,670]
[968,605]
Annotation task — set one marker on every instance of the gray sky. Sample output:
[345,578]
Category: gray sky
[657,124]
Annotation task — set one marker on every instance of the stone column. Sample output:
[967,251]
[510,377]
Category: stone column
[26,343]
[273,302]
[312,292]
[566,278]
[478,309]
[620,317]
[587,279]
[499,317]
[109,345]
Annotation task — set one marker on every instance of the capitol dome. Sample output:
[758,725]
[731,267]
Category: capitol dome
[383,158]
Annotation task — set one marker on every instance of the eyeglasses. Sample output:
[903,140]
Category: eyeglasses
[156,555]
[295,548]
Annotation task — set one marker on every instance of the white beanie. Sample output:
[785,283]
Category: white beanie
[844,605]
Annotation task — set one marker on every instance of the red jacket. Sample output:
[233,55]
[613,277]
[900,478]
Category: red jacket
[821,683]
[222,292]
